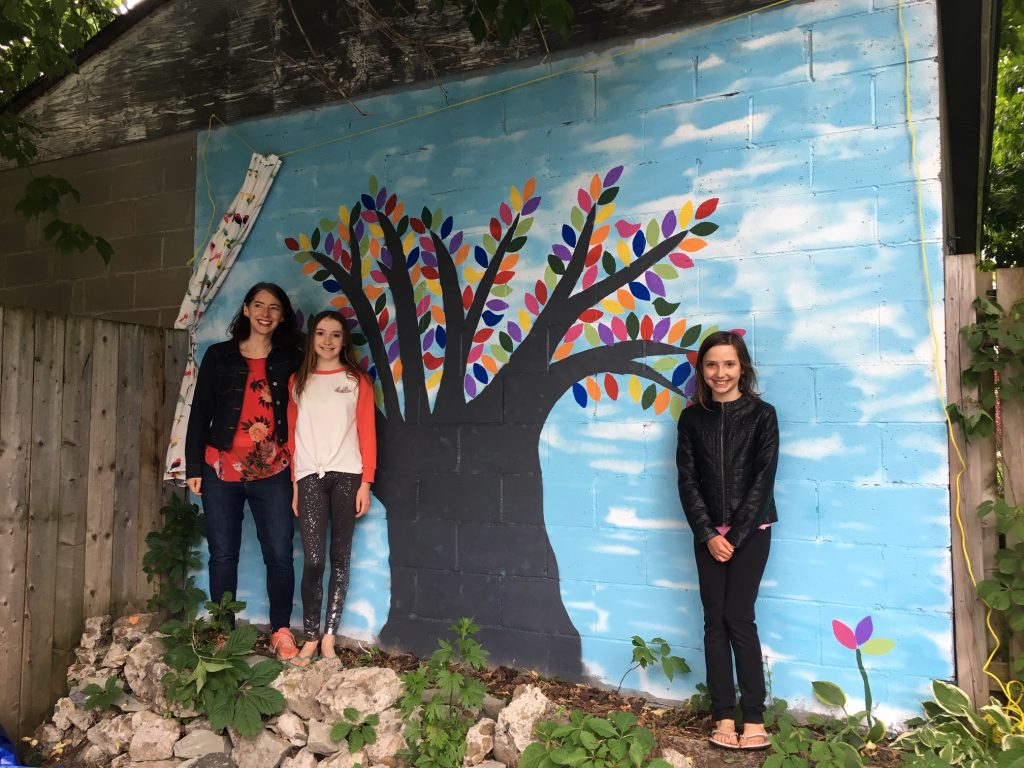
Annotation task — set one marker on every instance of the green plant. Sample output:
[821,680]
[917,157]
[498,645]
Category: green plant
[435,730]
[172,554]
[369,656]
[356,731]
[215,679]
[796,746]
[952,733]
[588,741]
[101,698]
[701,699]
[647,653]
[221,616]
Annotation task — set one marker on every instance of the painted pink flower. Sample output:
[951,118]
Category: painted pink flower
[860,638]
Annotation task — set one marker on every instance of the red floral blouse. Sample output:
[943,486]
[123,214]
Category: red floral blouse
[254,453]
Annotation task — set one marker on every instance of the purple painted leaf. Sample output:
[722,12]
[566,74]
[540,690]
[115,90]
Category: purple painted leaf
[844,635]
[606,334]
[515,332]
[329,243]
[393,351]
[470,386]
[531,205]
[428,339]
[497,305]
[429,259]
[612,176]
[456,243]
[661,328]
[357,231]
[863,631]
[382,195]
[668,224]
[654,283]
[561,252]
[385,257]
[690,387]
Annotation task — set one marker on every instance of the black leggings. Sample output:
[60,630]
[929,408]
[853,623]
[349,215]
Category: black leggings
[322,500]
[728,591]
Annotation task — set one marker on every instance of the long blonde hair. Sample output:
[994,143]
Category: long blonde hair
[309,359]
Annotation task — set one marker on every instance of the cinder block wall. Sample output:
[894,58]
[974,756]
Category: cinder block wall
[139,197]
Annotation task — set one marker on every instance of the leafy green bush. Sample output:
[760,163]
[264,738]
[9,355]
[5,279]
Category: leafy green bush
[357,731]
[588,741]
[435,730]
[215,679]
[952,733]
[656,651]
[172,554]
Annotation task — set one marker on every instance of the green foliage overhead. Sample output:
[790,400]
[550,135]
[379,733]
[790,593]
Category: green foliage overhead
[1003,230]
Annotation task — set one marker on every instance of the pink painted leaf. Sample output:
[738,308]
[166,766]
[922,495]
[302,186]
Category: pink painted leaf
[584,200]
[626,229]
[844,635]
[681,260]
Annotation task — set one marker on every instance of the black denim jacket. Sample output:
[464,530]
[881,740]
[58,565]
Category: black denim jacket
[727,455]
[217,400]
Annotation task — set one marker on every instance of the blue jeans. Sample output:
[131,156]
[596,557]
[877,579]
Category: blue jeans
[270,501]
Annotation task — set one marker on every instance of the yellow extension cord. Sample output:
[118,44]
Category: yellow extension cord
[1014,703]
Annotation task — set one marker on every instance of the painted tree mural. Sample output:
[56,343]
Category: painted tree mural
[464,385]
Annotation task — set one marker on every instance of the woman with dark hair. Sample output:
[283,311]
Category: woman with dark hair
[236,449]
[334,445]
[727,454]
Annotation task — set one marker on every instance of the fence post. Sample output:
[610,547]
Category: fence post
[968,490]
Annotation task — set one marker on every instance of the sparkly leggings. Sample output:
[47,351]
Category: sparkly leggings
[331,498]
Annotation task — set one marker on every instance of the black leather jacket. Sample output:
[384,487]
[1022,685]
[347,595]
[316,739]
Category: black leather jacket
[726,456]
[217,400]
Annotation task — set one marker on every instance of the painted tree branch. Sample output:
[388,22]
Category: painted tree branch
[483,290]
[352,287]
[413,380]
[450,393]
[617,358]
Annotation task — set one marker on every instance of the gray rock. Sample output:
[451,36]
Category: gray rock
[67,714]
[390,739]
[365,689]
[93,755]
[79,672]
[153,737]
[199,723]
[48,735]
[319,739]
[264,750]
[96,632]
[129,630]
[514,728]
[303,759]
[121,761]
[91,656]
[343,760]
[491,764]
[479,742]
[200,742]
[676,759]
[492,706]
[143,670]
[289,726]
[115,657]
[156,764]
[128,703]
[301,686]
[112,735]
[212,760]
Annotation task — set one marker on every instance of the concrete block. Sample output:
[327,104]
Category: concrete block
[110,221]
[439,595]
[162,288]
[143,178]
[887,393]
[624,84]
[567,98]
[163,212]
[808,109]
[839,46]
[20,269]
[604,556]
[177,248]
[891,100]
[829,452]
[76,266]
[136,316]
[735,66]
[55,297]
[912,515]
[688,130]
[916,453]
[863,158]
[524,549]
[138,253]
[746,172]
[109,294]
[670,562]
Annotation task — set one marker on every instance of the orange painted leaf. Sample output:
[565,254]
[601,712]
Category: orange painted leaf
[692,244]
[662,400]
[593,389]
[529,188]
[625,298]
[595,187]
[676,332]
[562,351]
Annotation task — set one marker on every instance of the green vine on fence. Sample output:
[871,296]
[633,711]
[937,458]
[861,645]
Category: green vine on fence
[996,343]
[172,556]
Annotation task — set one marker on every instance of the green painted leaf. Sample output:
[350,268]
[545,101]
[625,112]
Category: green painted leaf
[663,364]
[591,335]
[632,325]
[647,399]
[653,233]
[523,227]
[501,291]
[608,263]
[577,219]
[302,257]
[608,195]
[665,271]
[516,244]
[703,228]
[664,308]
[690,336]
[878,646]
[829,693]
[321,275]
[490,244]
[556,264]
[327,225]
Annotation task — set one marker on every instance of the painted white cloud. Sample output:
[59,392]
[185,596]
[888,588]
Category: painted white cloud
[626,517]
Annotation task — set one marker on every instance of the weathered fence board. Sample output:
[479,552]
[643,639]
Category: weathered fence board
[86,408]
[970,534]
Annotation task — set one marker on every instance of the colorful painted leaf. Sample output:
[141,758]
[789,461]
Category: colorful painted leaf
[626,229]
[611,386]
[608,263]
[595,185]
[434,379]
[593,389]
[608,195]
[652,232]
[863,631]
[654,283]
[291,244]
[562,351]
[635,389]
[703,229]
[589,278]
[576,218]
[529,187]
[639,244]
[661,401]
[668,224]
[681,260]
[623,252]
[878,646]
[506,216]
[646,328]
[690,244]
[523,227]
[606,335]
[580,395]
[675,407]
[530,206]
[591,335]
[640,291]
[605,213]
[647,399]
[515,198]
[665,271]
[569,235]
[706,208]
[499,354]
[591,315]
[685,214]
[621,329]
[612,306]
[844,634]
[681,373]
[664,308]
[480,373]
[584,201]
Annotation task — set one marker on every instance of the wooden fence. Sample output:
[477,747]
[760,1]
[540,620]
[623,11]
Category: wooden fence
[978,538]
[85,413]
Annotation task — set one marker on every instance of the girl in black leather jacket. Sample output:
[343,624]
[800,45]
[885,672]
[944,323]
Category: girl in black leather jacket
[727,454]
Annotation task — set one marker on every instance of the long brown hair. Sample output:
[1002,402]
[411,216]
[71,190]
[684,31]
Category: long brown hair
[347,356]
[287,331]
[748,376]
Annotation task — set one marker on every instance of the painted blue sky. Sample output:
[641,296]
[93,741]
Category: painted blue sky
[794,118]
